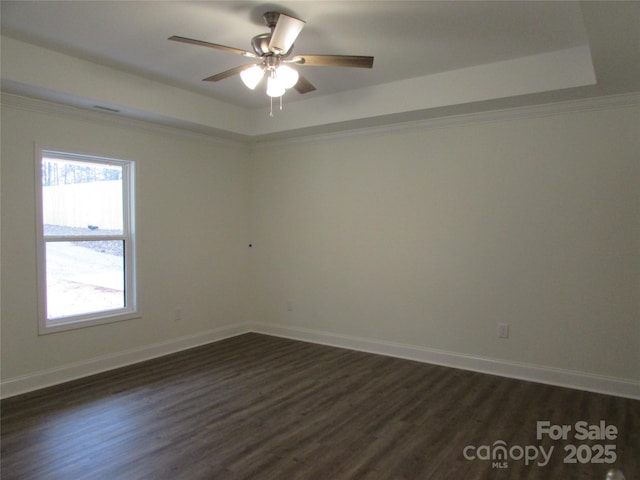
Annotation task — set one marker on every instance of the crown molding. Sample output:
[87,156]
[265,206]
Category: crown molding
[21,102]
[447,121]
[628,100]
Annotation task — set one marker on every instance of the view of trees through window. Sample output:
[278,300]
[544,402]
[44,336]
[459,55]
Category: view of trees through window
[59,172]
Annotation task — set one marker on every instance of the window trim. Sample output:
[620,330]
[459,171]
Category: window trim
[130,311]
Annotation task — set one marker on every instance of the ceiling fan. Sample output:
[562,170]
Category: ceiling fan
[274,52]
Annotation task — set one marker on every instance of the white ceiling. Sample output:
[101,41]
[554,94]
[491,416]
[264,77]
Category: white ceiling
[428,55]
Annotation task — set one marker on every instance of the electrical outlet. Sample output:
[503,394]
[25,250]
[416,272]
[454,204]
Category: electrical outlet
[503,330]
[289,306]
[178,315]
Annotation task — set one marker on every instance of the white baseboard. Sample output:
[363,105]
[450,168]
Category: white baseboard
[534,373]
[551,376]
[46,378]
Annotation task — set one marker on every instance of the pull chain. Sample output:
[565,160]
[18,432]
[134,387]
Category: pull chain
[271,105]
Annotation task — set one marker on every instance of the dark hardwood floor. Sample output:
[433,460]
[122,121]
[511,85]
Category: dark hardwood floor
[260,407]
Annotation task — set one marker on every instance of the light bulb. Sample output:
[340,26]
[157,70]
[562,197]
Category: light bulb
[275,87]
[287,75]
[252,76]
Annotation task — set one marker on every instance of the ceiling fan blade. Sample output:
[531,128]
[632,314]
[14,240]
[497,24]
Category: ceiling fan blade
[333,61]
[303,85]
[202,43]
[285,33]
[227,73]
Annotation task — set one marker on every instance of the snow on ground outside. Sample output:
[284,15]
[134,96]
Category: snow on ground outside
[80,279]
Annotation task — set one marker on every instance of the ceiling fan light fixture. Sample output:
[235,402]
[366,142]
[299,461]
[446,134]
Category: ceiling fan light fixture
[251,76]
[275,88]
[287,75]
[272,50]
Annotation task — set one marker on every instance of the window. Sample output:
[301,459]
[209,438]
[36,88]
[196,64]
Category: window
[86,244]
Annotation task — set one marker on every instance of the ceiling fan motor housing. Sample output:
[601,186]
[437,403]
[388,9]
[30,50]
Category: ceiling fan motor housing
[260,44]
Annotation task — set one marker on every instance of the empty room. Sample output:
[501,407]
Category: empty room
[333,240]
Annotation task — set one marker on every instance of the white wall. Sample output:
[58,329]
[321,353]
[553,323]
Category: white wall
[431,237]
[192,230]
[423,237]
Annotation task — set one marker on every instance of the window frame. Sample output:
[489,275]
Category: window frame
[130,309]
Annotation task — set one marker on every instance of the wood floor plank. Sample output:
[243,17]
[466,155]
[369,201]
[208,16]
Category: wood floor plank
[256,407]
